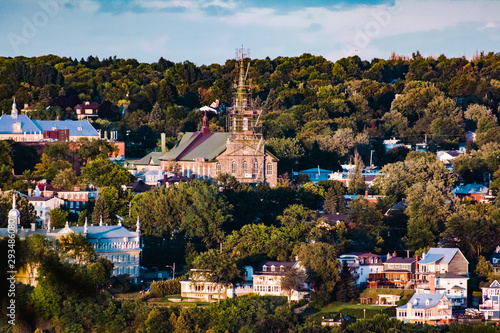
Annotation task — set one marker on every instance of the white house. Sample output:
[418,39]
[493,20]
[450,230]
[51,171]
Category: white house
[267,281]
[43,205]
[447,156]
[361,265]
[491,301]
[426,309]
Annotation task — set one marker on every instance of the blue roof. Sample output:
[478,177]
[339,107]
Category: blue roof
[7,122]
[436,253]
[76,127]
[423,301]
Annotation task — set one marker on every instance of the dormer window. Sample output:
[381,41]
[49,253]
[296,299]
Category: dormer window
[17,127]
[80,128]
[282,268]
[415,301]
[428,301]
[273,268]
[264,268]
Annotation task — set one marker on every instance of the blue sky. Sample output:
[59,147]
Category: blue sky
[208,31]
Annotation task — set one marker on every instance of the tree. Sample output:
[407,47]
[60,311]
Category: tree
[366,223]
[428,208]
[345,289]
[58,217]
[334,196]
[102,172]
[292,280]
[319,259]
[91,149]
[221,268]
[6,154]
[65,179]
[101,211]
[48,168]
[77,247]
[356,179]
[156,116]
[288,150]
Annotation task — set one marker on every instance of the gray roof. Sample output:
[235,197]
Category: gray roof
[471,189]
[39,198]
[419,301]
[75,127]
[434,254]
[146,160]
[450,275]
[197,144]
[399,260]
[105,231]
[7,122]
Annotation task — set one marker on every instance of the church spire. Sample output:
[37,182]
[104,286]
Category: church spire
[13,113]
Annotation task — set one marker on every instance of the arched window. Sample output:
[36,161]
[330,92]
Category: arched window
[255,166]
[244,166]
[269,168]
[234,167]
[218,168]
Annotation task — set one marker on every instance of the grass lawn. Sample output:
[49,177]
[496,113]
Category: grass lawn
[354,310]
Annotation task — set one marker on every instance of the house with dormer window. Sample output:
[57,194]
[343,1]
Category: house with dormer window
[267,280]
[444,271]
[495,260]
[362,265]
[426,309]
[491,301]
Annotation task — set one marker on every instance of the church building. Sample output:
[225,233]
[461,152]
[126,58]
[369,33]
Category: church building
[240,151]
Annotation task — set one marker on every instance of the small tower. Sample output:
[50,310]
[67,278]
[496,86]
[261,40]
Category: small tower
[14,112]
[138,231]
[100,221]
[85,227]
[14,218]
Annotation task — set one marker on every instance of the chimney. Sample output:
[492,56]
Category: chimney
[33,227]
[163,144]
[366,193]
[416,263]
[76,189]
[30,192]
[296,258]
[432,284]
[394,255]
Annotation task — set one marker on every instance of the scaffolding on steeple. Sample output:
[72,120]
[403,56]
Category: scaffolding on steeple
[243,116]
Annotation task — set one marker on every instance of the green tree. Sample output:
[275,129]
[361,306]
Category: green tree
[292,280]
[48,168]
[101,211]
[65,179]
[26,210]
[345,289]
[102,172]
[58,217]
[221,268]
[356,179]
[91,149]
[77,247]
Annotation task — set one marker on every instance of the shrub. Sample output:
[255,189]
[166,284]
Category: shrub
[165,288]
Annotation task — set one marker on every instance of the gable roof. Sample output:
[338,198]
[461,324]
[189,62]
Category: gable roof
[153,157]
[400,260]
[95,232]
[197,144]
[419,301]
[441,254]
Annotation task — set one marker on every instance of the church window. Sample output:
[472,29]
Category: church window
[234,167]
[255,166]
[218,168]
[269,168]
[245,167]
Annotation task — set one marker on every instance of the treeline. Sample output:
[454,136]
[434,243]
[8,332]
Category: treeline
[306,99]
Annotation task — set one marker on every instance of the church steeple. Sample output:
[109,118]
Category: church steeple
[14,113]
[14,218]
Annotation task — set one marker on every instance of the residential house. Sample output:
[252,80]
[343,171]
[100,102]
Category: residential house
[315,174]
[393,143]
[199,286]
[267,281]
[473,192]
[87,110]
[43,205]
[426,309]
[447,156]
[490,306]
[397,273]
[77,200]
[444,271]
[362,265]
[495,260]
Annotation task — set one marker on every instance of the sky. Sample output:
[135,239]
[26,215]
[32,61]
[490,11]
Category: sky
[209,31]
